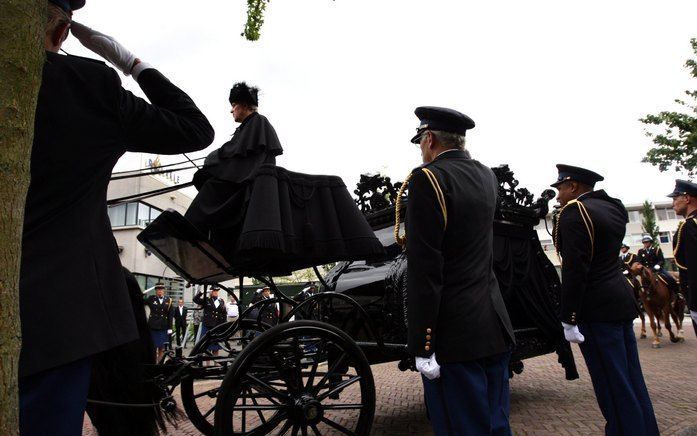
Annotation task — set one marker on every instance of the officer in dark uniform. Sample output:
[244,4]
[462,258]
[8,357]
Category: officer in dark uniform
[214,313]
[160,319]
[627,258]
[458,326]
[84,122]
[652,257]
[269,316]
[685,241]
[597,305]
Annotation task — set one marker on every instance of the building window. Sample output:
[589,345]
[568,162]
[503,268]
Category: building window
[174,287]
[634,216]
[664,237]
[132,214]
[665,214]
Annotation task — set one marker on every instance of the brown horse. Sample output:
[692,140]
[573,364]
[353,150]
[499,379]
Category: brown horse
[656,298]
[677,308]
[636,286]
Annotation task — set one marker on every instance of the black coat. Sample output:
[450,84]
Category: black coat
[685,248]
[454,305]
[73,297]
[651,257]
[160,314]
[593,288]
[180,320]
[212,316]
[269,315]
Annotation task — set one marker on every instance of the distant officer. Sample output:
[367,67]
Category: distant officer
[160,319]
[597,304]
[181,312]
[627,258]
[270,311]
[458,326]
[685,242]
[214,313]
[652,257]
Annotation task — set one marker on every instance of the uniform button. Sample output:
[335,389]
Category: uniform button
[428,337]
[428,330]
[427,348]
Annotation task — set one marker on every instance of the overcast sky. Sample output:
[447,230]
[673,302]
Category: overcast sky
[545,81]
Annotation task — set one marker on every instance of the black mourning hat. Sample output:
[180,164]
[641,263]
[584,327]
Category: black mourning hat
[244,94]
[577,174]
[68,5]
[441,119]
[683,187]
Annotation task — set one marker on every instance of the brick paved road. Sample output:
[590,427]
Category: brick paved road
[542,401]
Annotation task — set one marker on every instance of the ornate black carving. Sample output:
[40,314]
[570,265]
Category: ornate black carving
[375,193]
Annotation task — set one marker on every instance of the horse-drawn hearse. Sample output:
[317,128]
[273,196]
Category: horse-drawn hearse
[311,373]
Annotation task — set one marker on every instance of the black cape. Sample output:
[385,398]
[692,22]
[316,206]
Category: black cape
[253,144]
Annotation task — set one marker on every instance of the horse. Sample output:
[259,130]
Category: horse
[656,298]
[677,307]
[636,286]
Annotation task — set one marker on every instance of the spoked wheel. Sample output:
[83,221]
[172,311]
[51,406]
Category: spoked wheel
[298,378]
[199,389]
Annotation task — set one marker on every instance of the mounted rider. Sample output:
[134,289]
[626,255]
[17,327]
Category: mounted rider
[651,256]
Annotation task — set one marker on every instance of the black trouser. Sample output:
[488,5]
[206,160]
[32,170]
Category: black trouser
[180,331]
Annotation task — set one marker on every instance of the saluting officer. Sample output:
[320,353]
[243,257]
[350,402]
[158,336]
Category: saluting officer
[652,257]
[214,313]
[597,304]
[160,319]
[85,120]
[458,326]
[685,242]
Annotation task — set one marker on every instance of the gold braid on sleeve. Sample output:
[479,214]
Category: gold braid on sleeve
[401,239]
[678,237]
[587,221]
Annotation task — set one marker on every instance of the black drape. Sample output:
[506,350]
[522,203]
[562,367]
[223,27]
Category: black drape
[530,286]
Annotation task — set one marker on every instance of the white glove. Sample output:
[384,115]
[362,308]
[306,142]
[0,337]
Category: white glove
[625,272]
[657,267]
[572,334]
[169,331]
[428,366]
[693,314]
[105,46]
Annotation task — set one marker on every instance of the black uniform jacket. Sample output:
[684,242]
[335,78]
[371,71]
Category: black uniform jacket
[212,316]
[454,305]
[593,288]
[627,261]
[651,257]
[73,298]
[180,319]
[685,250]
[160,313]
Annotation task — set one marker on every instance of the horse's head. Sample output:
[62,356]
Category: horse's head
[645,276]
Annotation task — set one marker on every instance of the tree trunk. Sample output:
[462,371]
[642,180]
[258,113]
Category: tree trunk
[22,24]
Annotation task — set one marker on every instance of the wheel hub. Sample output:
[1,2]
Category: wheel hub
[306,409]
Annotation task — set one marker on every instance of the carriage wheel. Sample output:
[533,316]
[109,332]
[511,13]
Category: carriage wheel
[199,388]
[303,377]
